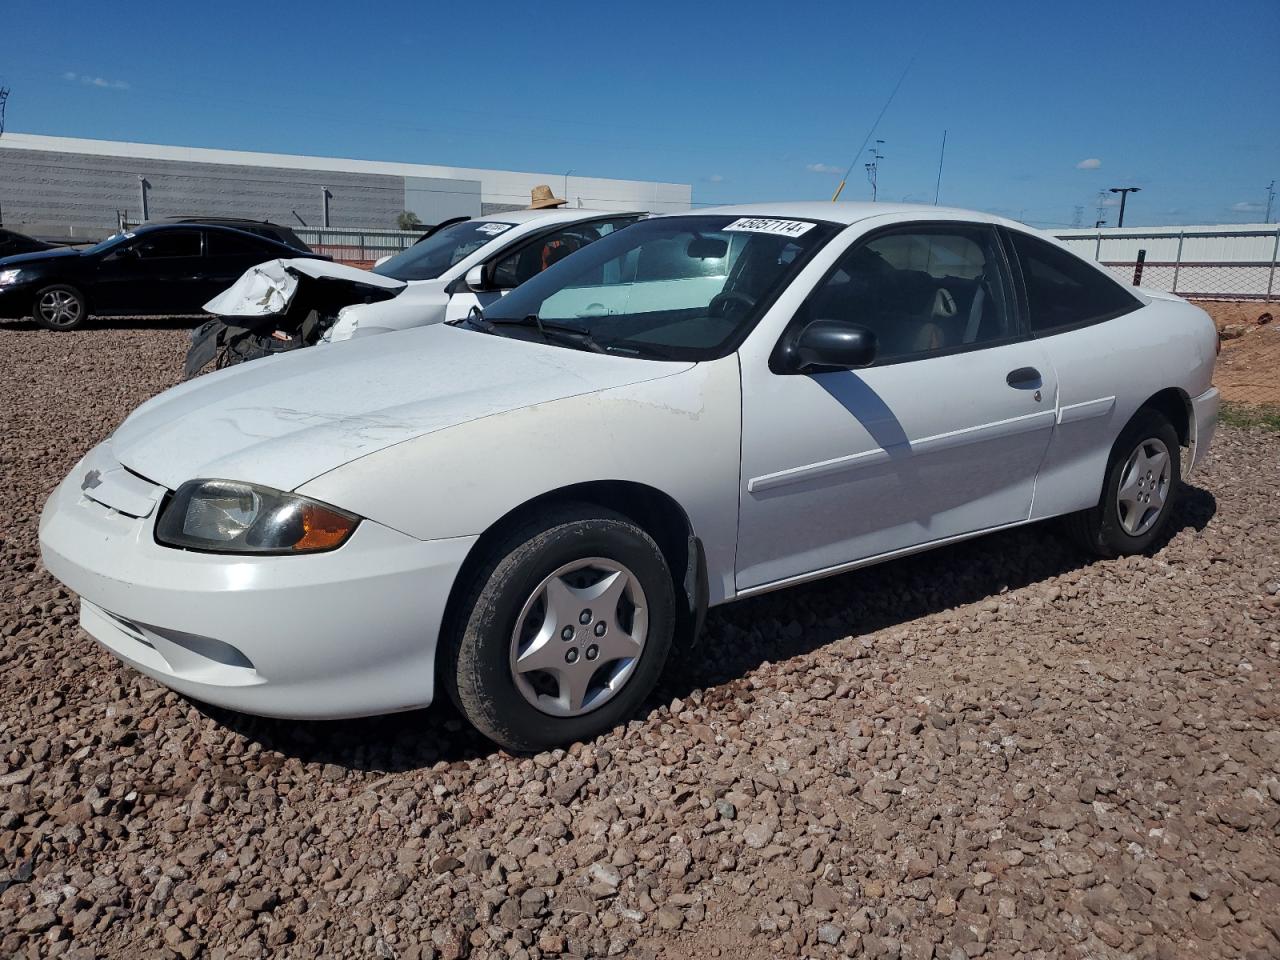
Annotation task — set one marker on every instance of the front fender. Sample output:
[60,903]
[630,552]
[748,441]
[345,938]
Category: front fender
[679,434]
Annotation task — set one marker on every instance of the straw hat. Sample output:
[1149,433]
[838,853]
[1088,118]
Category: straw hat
[543,197]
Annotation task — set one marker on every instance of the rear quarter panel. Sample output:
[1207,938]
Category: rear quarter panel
[1106,372]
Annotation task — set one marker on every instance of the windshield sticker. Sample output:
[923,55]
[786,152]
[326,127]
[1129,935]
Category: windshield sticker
[785,228]
[493,229]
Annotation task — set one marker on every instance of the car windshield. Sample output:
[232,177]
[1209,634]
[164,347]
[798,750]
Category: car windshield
[112,241]
[678,288]
[429,258]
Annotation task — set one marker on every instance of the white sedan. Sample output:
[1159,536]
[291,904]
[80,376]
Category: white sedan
[532,507]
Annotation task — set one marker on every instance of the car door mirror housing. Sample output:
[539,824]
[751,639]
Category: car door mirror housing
[826,345]
[476,280]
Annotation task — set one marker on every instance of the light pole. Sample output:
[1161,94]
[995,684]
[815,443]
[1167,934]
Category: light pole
[1124,195]
[1271,195]
[566,185]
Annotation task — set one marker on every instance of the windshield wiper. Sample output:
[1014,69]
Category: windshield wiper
[475,318]
[549,330]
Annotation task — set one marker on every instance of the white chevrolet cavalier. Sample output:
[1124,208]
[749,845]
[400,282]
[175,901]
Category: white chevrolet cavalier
[533,506]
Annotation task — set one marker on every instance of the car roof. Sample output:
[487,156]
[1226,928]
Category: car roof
[554,215]
[848,212]
[216,227]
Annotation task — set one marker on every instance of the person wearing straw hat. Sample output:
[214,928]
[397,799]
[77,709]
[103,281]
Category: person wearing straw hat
[543,198]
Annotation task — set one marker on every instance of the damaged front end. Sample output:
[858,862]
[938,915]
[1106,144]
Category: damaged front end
[278,306]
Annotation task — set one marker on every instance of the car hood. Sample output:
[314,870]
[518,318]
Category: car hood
[284,420]
[269,288]
[39,256]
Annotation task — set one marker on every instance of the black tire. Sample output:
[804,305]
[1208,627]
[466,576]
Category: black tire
[476,657]
[59,306]
[1100,529]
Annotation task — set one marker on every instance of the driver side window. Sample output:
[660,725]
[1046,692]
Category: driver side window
[922,291]
[531,259]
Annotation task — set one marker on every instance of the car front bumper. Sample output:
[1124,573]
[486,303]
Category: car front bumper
[347,633]
[16,300]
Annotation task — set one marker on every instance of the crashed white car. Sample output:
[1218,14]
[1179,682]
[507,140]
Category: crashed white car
[460,264]
[532,507]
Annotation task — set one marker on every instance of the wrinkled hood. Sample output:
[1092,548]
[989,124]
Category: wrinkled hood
[19,259]
[269,288]
[284,420]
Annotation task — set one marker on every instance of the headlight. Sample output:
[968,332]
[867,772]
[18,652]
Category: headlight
[225,516]
[9,276]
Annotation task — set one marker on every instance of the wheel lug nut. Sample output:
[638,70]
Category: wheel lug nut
[571,655]
[566,633]
[600,629]
[584,617]
[592,652]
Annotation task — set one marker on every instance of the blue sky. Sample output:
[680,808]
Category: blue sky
[1044,103]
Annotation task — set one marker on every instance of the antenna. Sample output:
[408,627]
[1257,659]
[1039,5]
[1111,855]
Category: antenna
[871,132]
[873,168]
[4,99]
[937,187]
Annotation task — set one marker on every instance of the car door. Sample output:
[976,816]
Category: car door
[155,274]
[939,437]
[512,267]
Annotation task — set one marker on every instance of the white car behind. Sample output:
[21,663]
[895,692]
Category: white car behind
[531,508]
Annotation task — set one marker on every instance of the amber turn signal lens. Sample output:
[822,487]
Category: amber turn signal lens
[322,529]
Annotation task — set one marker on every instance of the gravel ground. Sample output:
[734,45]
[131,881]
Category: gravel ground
[996,749]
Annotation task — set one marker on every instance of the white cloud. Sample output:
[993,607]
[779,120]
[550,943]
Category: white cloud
[1092,163]
[715,178]
[822,168]
[1245,206]
[90,81]
[1111,202]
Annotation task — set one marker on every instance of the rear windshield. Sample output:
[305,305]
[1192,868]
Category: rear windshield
[430,257]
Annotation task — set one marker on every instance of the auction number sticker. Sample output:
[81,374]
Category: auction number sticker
[784,228]
[493,229]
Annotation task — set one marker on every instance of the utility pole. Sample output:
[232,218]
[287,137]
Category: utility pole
[4,100]
[1078,219]
[1271,195]
[873,168]
[566,185]
[1124,195]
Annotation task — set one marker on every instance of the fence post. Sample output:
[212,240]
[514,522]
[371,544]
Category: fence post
[1097,249]
[1271,277]
[1137,268]
[1177,262]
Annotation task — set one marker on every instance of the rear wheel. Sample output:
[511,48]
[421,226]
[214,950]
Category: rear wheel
[565,631]
[59,307]
[1138,493]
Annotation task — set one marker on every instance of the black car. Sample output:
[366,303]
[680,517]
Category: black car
[12,243]
[263,228]
[160,270]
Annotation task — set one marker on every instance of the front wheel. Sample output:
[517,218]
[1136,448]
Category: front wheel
[565,631]
[1138,493]
[59,307]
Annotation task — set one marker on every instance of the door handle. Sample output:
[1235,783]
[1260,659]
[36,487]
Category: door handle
[1024,377]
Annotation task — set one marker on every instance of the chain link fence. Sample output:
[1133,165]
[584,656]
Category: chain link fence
[356,246]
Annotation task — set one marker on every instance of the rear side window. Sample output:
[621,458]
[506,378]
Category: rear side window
[1063,291]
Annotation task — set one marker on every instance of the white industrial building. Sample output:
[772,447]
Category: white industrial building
[65,185]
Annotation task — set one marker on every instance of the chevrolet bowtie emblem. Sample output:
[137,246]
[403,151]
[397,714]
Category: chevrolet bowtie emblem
[91,479]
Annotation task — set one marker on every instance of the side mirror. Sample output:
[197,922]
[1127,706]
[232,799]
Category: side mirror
[381,260]
[832,345]
[475,279]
